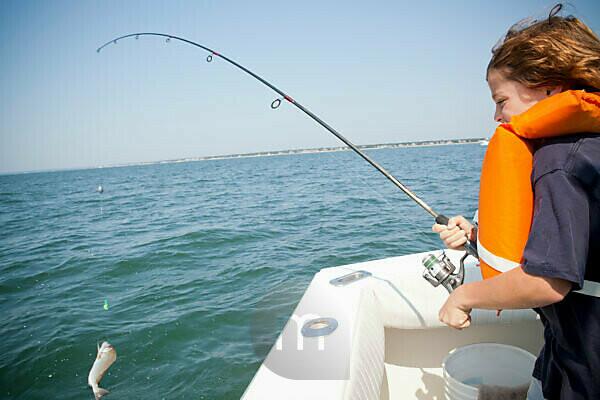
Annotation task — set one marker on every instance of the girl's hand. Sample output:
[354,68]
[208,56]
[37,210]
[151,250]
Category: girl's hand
[454,313]
[455,234]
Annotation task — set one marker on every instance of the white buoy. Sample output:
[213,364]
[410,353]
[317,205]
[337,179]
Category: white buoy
[100,189]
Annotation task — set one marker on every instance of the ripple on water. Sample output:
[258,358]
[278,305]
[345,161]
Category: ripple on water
[200,264]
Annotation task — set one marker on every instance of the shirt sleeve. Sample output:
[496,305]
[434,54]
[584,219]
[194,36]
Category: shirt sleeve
[557,246]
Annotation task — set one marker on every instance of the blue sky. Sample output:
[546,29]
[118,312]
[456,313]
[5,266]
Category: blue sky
[376,71]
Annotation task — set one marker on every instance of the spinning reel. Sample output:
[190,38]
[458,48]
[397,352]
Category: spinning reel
[441,271]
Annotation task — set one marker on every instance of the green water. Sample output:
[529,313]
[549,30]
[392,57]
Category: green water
[200,263]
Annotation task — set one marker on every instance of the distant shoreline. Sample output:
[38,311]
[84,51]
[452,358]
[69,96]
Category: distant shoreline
[424,143]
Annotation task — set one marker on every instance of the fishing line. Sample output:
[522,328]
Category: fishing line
[439,218]
[389,210]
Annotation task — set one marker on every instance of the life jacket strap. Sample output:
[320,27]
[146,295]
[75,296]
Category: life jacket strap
[498,263]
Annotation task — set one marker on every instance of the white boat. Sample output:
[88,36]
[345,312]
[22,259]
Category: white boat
[385,339]
[484,142]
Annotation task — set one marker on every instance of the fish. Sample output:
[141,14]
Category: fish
[106,356]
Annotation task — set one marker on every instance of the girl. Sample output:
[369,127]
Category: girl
[558,274]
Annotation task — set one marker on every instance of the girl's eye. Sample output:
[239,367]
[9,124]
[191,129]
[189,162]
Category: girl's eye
[501,102]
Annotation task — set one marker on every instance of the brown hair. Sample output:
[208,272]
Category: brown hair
[555,51]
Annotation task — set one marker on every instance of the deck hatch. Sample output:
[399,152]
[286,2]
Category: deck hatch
[349,278]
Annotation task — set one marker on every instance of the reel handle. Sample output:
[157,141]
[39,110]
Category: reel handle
[470,246]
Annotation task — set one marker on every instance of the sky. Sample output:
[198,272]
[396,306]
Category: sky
[378,72]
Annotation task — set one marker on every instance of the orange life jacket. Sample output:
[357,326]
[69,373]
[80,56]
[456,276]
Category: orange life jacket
[505,194]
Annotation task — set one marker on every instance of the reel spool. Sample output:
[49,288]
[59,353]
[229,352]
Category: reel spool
[440,271]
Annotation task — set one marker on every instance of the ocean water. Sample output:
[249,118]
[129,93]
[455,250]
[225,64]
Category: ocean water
[200,263]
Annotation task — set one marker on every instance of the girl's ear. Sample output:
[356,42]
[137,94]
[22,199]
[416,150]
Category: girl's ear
[554,90]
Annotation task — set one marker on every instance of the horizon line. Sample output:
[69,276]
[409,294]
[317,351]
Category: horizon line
[272,153]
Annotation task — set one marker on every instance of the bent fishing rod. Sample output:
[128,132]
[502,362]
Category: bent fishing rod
[439,218]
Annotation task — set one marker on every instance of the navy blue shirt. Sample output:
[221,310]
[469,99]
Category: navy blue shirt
[565,243]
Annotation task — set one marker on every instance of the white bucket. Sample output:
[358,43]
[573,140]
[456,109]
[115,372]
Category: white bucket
[494,364]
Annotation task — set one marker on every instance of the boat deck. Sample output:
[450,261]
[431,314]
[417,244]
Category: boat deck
[388,342]
[418,375]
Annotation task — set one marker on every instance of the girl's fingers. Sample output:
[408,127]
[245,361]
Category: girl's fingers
[461,222]
[444,235]
[454,221]
[456,236]
[457,243]
[465,226]
[437,228]
[467,323]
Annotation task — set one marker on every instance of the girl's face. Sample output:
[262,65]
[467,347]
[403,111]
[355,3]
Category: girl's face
[512,97]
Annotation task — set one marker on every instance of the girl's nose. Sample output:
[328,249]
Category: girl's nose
[497,116]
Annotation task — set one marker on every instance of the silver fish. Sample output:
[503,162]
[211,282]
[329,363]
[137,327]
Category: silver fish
[106,356]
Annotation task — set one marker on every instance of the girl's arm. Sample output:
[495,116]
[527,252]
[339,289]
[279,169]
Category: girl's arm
[514,289]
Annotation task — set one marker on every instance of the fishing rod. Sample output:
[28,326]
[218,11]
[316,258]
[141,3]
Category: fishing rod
[439,218]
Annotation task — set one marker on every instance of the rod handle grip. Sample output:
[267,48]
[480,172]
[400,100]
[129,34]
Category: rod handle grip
[441,219]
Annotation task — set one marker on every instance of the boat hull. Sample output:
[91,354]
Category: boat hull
[388,343]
